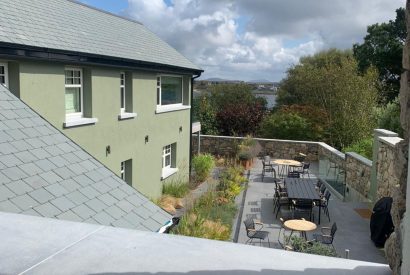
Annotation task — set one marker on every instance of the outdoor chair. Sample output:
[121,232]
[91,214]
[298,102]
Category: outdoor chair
[303,209]
[253,233]
[293,174]
[324,203]
[305,169]
[327,236]
[322,189]
[268,167]
[281,201]
[301,158]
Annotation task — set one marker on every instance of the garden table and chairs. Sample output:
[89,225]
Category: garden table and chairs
[285,165]
[302,226]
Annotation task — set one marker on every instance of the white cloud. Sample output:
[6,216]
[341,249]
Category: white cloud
[250,39]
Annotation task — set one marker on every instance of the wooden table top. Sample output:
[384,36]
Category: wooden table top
[287,162]
[300,225]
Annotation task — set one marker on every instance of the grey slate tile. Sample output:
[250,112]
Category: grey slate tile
[16,134]
[47,210]
[35,182]
[101,187]
[64,172]
[5,193]
[133,218]
[94,175]
[59,161]
[50,177]
[57,189]
[21,145]
[127,189]
[91,220]
[87,164]
[41,195]
[24,202]
[65,147]
[7,148]
[45,165]
[4,137]
[70,157]
[125,206]
[31,212]
[70,185]
[160,218]
[30,132]
[96,205]
[10,160]
[135,200]
[152,225]
[12,124]
[77,197]
[53,150]
[103,218]
[108,199]
[150,206]
[14,173]
[123,223]
[115,212]
[82,155]
[69,216]
[118,194]
[63,203]
[40,153]
[143,212]
[83,180]
[35,142]
[83,211]
[25,156]
[19,187]
[76,168]
[30,169]
[89,192]
[7,206]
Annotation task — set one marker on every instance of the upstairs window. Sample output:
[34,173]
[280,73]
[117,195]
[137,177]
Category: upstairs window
[122,91]
[73,93]
[169,90]
[4,77]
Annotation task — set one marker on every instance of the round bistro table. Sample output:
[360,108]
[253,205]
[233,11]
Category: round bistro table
[302,226]
[285,163]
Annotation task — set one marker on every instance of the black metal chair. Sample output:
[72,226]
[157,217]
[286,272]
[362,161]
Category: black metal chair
[327,236]
[303,209]
[281,201]
[322,189]
[324,203]
[254,233]
[268,167]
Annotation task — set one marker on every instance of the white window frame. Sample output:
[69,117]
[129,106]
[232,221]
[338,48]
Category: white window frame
[6,72]
[167,170]
[78,115]
[170,107]
[122,171]
[122,91]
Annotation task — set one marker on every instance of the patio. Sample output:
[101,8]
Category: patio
[353,230]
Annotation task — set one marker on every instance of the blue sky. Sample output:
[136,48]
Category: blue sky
[259,39]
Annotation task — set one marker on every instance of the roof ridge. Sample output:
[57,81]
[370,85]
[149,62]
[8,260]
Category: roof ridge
[104,11]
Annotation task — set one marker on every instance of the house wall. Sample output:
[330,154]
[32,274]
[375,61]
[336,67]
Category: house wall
[41,86]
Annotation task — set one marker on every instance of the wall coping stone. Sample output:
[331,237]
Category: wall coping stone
[265,139]
[332,150]
[386,133]
[360,158]
[392,141]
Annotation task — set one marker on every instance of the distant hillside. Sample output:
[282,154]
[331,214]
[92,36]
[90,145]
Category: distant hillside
[260,81]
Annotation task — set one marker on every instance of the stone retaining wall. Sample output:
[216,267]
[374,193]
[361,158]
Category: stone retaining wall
[358,172]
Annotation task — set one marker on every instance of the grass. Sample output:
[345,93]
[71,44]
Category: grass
[175,189]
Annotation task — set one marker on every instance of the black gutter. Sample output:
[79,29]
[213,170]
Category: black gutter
[190,122]
[10,50]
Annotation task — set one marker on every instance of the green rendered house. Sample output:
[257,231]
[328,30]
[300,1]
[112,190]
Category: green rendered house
[107,82]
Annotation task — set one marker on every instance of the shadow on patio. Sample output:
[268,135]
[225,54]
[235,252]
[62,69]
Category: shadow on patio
[353,230]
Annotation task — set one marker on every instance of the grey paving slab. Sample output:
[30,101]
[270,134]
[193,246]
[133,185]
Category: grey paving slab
[19,187]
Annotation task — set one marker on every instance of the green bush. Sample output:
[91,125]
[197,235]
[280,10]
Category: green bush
[283,125]
[389,117]
[176,189]
[203,165]
[299,244]
[363,147]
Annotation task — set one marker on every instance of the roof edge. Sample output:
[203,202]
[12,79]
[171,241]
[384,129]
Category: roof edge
[12,50]
[103,11]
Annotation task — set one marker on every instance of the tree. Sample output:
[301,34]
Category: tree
[205,113]
[285,125]
[330,80]
[383,49]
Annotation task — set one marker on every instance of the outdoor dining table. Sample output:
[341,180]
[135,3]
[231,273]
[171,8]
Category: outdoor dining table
[285,163]
[302,226]
[301,188]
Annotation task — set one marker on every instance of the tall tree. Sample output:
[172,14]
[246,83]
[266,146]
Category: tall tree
[383,49]
[330,80]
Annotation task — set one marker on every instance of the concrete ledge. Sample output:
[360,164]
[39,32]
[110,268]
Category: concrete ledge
[332,150]
[392,141]
[263,139]
[385,133]
[360,158]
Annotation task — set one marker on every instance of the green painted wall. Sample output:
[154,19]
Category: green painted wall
[42,88]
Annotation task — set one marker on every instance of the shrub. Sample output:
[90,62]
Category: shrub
[301,245]
[230,183]
[284,125]
[176,189]
[248,148]
[363,147]
[389,117]
[202,165]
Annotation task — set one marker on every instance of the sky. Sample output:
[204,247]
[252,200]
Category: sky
[254,39]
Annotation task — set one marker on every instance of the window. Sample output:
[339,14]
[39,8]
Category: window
[126,171]
[73,93]
[168,160]
[4,77]
[169,90]
[122,91]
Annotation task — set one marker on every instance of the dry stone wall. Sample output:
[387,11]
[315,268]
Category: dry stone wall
[358,171]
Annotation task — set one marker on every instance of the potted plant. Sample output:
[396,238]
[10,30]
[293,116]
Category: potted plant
[248,150]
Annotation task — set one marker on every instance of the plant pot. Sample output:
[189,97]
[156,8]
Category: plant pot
[246,163]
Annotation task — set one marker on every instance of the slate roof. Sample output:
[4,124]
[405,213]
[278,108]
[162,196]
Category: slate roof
[68,25]
[44,173]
